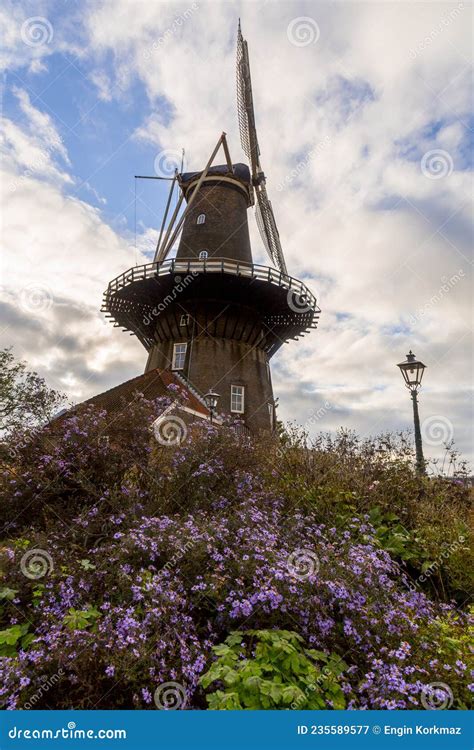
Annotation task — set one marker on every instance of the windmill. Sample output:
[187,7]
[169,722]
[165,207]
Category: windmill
[210,314]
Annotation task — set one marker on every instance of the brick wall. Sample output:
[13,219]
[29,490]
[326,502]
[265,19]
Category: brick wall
[219,363]
[225,232]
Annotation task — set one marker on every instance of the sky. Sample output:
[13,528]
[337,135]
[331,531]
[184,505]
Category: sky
[365,130]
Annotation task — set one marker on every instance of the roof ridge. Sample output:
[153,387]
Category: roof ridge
[191,388]
[156,370]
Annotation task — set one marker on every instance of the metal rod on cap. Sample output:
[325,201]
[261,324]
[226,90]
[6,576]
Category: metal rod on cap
[203,176]
[157,251]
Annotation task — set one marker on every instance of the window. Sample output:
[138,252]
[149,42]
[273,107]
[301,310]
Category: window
[237,398]
[201,219]
[203,255]
[184,320]
[271,411]
[179,356]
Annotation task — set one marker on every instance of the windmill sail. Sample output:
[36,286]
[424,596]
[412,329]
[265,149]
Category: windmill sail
[248,133]
[248,138]
[268,228]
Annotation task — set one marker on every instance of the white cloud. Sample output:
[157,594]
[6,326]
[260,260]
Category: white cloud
[41,125]
[26,36]
[57,259]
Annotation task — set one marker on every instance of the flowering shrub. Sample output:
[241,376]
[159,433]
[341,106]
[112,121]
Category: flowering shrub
[153,555]
[424,522]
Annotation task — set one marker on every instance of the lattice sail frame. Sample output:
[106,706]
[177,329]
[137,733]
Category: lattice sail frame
[248,137]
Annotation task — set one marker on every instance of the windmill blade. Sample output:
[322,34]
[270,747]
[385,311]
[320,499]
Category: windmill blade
[245,111]
[268,229]
[248,138]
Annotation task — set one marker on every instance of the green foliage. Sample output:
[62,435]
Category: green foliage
[423,522]
[13,638]
[25,399]
[395,538]
[37,593]
[454,653]
[81,619]
[8,594]
[86,564]
[271,669]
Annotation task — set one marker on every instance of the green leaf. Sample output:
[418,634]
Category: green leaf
[81,619]
[86,564]
[10,636]
[272,669]
[8,594]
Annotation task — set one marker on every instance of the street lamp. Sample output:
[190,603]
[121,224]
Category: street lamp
[211,398]
[412,370]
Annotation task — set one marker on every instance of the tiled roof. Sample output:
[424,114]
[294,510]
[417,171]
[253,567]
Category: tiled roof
[151,384]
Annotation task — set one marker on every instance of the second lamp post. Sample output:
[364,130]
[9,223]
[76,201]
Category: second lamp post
[412,370]
[211,399]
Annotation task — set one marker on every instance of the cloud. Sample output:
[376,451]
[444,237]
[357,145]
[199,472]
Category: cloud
[41,124]
[33,148]
[58,257]
[26,36]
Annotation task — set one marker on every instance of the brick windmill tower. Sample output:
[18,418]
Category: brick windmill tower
[210,314]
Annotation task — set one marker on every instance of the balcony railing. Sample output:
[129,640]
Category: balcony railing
[219,266]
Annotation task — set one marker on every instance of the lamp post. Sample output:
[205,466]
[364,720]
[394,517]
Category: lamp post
[412,370]
[211,399]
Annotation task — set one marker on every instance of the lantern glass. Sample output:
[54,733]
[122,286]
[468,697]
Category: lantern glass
[211,400]
[412,370]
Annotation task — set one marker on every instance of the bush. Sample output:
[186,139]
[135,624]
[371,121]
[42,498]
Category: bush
[424,522]
[148,556]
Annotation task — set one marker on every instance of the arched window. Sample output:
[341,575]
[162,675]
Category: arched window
[203,255]
[201,219]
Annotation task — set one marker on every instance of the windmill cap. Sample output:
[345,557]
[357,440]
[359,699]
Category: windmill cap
[241,172]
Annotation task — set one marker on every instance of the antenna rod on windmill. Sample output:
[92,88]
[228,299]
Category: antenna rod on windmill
[165,216]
